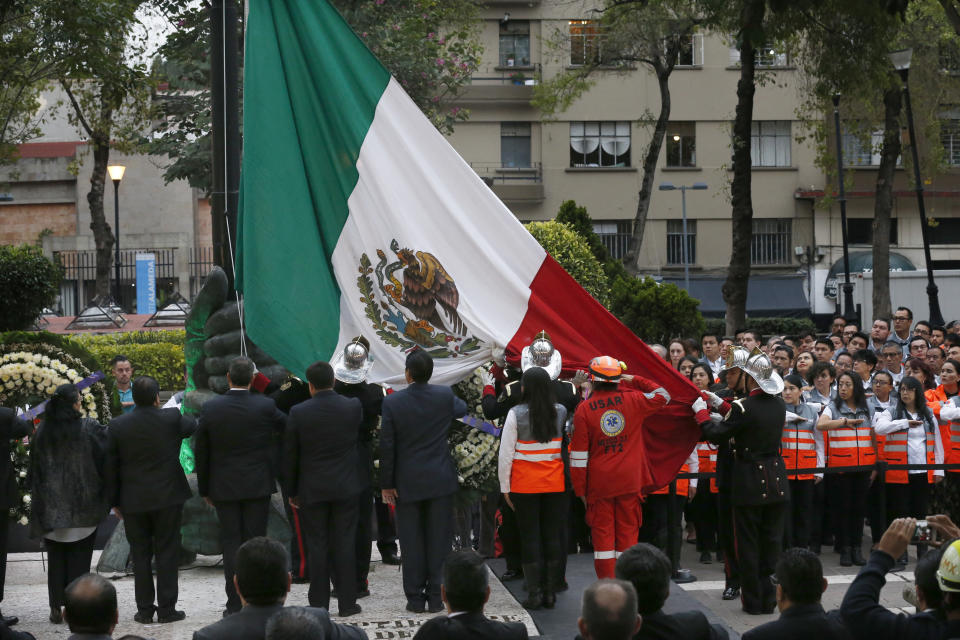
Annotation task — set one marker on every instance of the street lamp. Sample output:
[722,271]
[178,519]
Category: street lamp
[901,62]
[848,307]
[697,186]
[116,174]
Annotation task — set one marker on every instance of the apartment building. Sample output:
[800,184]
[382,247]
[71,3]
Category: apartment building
[593,153]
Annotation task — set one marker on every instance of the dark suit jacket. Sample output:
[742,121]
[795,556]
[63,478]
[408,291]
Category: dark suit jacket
[689,625]
[414,455]
[470,626]
[321,448]
[250,623]
[371,398]
[11,428]
[236,445]
[800,622]
[142,470]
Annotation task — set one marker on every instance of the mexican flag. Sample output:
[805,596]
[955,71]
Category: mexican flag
[357,217]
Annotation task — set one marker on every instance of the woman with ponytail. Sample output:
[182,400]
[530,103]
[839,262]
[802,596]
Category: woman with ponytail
[68,497]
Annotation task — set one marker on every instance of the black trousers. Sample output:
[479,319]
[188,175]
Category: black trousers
[510,536]
[331,532]
[489,503]
[66,561]
[801,509]
[759,532]
[386,526]
[908,500]
[542,519]
[850,493]
[363,537]
[878,508]
[240,520]
[4,531]
[155,534]
[426,538]
[704,514]
[655,527]
[728,541]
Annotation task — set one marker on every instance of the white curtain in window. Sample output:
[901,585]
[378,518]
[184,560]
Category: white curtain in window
[615,147]
[584,145]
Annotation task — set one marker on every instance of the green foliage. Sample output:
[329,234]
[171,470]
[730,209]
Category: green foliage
[573,254]
[28,283]
[163,361]
[579,220]
[166,336]
[766,326]
[655,311]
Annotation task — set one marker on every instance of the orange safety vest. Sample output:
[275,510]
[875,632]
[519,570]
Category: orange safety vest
[851,446]
[537,466]
[707,454]
[949,430]
[799,449]
[683,484]
[894,451]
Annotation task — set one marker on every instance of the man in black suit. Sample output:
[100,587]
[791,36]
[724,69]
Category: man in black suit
[11,428]
[648,569]
[465,590]
[145,482]
[262,583]
[235,452]
[800,583]
[418,474]
[323,483]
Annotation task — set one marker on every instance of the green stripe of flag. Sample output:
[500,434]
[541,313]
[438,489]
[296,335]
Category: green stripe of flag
[311,89]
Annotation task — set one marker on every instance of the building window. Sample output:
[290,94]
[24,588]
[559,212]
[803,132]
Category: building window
[599,144]
[947,231]
[586,42]
[515,144]
[681,144]
[770,143]
[860,231]
[770,243]
[675,244]
[691,52]
[615,236]
[863,151]
[950,139]
[515,43]
[768,56]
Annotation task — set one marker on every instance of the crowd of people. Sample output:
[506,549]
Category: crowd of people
[803,439]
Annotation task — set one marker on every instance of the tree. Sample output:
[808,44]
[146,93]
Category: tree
[579,221]
[29,282]
[431,47]
[655,311]
[108,97]
[573,254]
[652,33]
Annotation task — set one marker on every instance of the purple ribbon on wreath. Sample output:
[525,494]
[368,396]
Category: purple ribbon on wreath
[90,380]
[486,427]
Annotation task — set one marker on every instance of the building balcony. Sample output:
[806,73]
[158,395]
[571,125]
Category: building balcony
[503,86]
[513,185]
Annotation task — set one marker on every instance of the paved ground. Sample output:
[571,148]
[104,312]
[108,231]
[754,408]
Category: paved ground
[383,618]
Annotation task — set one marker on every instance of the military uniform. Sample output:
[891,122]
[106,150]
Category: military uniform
[758,490]
[292,392]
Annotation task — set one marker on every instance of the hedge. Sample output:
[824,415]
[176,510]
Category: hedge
[766,326]
[152,353]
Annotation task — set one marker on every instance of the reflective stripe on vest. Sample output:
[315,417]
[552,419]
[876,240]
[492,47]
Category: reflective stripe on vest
[895,450]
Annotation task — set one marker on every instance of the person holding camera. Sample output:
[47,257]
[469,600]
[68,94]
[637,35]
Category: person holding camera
[861,610]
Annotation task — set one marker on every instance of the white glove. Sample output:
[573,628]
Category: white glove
[580,377]
[699,405]
[660,391]
[816,406]
[486,378]
[792,417]
[716,417]
[715,400]
[498,355]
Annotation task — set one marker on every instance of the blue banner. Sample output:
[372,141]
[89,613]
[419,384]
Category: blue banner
[146,283]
